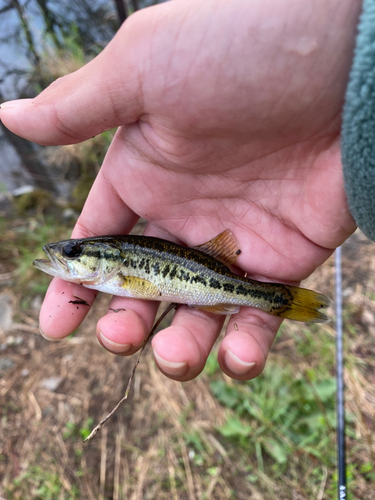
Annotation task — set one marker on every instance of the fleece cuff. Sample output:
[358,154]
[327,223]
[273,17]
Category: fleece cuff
[358,129]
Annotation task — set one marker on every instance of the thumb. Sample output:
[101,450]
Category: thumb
[101,95]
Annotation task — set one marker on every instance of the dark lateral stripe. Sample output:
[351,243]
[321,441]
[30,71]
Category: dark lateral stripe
[153,246]
[184,275]
[278,297]
[142,263]
[107,255]
[173,273]
[215,284]
[171,261]
[165,271]
[198,279]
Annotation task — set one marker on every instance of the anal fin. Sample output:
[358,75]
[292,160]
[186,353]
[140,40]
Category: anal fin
[219,308]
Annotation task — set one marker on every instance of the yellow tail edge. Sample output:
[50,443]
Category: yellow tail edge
[307,306]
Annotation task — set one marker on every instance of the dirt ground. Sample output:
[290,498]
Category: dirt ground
[52,394]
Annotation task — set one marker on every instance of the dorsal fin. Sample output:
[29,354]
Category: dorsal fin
[224,247]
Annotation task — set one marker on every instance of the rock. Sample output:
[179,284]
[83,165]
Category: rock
[69,214]
[6,364]
[348,292]
[6,311]
[11,340]
[23,190]
[51,383]
[36,303]
[368,317]
[5,197]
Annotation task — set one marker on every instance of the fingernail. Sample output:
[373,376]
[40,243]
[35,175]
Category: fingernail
[236,365]
[174,369]
[47,337]
[19,103]
[114,346]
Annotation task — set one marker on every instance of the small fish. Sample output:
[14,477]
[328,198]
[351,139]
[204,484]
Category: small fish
[154,269]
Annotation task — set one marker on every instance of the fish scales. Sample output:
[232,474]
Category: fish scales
[155,269]
[190,276]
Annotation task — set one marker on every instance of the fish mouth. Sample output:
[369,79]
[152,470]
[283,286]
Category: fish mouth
[53,265]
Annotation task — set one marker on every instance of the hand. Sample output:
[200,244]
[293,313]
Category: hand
[229,116]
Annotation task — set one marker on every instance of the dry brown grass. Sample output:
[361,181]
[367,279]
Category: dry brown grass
[140,451]
[163,443]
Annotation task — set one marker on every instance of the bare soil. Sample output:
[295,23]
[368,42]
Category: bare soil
[52,394]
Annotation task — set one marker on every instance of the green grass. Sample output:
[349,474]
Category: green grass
[284,420]
[277,431]
[40,484]
[23,243]
[278,414]
[76,432]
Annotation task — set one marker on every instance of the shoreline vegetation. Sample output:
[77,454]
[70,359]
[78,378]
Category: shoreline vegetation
[272,437]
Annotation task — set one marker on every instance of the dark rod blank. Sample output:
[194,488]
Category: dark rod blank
[340,402]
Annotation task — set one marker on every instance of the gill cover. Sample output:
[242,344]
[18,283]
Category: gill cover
[80,261]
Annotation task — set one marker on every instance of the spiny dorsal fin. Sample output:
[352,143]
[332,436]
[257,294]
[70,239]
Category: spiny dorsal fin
[224,247]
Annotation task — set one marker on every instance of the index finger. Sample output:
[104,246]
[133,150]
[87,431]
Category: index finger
[104,213]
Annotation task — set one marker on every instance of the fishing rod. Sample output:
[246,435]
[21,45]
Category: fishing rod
[340,401]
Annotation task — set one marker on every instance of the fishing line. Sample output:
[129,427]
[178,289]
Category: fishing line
[340,402]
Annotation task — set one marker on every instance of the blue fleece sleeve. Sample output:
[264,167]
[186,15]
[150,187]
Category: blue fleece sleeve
[358,129]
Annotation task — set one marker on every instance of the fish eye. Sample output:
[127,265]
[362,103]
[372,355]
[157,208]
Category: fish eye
[71,250]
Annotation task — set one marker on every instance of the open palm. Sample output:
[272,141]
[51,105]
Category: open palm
[229,116]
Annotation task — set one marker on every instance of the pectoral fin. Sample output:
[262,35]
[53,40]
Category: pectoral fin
[140,288]
[219,309]
[224,247]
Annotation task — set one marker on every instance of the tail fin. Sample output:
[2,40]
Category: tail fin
[306,306]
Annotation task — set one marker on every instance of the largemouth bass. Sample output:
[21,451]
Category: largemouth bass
[154,269]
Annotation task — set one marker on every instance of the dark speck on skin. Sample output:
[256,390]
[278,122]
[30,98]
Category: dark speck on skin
[79,301]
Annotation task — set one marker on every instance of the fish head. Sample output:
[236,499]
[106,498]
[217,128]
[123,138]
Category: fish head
[84,261]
